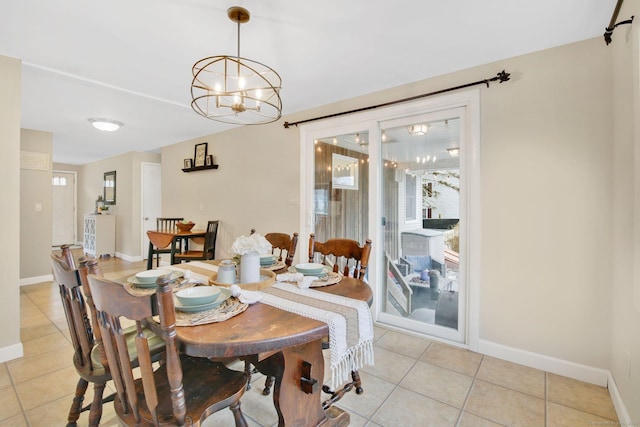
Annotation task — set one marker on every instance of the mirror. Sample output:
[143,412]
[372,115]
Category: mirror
[110,188]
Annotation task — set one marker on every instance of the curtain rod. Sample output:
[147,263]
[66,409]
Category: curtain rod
[612,24]
[502,76]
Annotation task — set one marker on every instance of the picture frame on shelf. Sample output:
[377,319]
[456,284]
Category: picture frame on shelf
[209,160]
[188,163]
[200,154]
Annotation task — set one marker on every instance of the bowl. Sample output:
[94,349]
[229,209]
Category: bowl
[150,276]
[267,259]
[198,295]
[310,268]
[185,226]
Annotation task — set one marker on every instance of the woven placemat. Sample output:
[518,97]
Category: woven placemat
[278,265]
[332,279]
[231,307]
[134,290]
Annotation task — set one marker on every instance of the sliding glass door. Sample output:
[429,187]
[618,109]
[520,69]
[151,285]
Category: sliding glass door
[402,176]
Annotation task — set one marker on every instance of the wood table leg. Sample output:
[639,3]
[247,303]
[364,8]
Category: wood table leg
[299,373]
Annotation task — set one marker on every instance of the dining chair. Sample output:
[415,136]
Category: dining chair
[339,254]
[167,225]
[183,390]
[283,243]
[89,358]
[208,250]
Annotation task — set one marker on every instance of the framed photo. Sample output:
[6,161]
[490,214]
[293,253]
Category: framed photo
[209,160]
[188,163]
[200,154]
[344,172]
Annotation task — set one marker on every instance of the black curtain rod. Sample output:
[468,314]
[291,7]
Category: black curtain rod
[612,24]
[502,76]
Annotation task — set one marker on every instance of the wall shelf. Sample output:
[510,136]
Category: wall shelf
[200,168]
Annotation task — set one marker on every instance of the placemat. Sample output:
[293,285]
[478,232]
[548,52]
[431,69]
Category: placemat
[332,279]
[134,290]
[231,307]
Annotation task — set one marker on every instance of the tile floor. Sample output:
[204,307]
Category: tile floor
[414,381]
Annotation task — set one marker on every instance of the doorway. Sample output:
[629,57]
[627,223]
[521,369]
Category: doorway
[63,208]
[151,201]
[405,176]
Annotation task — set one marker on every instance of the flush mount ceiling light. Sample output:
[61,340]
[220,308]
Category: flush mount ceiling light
[236,90]
[106,125]
[454,152]
[419,129]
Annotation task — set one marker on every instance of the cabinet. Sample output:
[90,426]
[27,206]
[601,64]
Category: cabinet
[99,234]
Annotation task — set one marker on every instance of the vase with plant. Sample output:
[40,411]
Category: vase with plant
[246,251]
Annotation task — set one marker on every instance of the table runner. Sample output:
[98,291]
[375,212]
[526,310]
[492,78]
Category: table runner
[349,320]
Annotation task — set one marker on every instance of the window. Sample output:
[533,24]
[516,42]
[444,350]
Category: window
[59,181]
[410,197]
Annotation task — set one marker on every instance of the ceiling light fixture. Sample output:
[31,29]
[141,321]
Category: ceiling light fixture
[236,90]
[419,129]
[454,152]
[106,125]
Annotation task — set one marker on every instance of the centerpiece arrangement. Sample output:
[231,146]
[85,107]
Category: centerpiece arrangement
[247,251]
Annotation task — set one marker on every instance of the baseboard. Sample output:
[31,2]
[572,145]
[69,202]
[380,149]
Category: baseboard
[550,364]
[128,258]
[37,279]
[621,410]
[11,352]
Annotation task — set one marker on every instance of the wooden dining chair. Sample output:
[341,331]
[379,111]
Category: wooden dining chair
[167,225]
[341,254]
[183,390]
[89,358]
[283,243]
[346,255]
[208,250]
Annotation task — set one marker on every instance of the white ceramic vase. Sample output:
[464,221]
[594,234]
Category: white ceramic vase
[250,268]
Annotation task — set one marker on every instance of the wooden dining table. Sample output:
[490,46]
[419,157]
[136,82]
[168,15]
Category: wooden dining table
[165,239]
[281,344]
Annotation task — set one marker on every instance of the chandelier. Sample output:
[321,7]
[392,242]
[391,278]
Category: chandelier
[236,90]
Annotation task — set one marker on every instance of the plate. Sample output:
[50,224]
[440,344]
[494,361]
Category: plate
[222,297]
[324,270]
[310,268]
[135,282]
[267,259]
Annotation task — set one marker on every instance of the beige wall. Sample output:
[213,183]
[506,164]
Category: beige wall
[36,231]
[10,81]
[127,207]
[625,213]
[548,285]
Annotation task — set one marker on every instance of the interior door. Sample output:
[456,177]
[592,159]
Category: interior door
[151,200]
[63,207]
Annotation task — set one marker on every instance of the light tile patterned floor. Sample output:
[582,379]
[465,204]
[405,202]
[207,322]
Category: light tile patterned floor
[414,382]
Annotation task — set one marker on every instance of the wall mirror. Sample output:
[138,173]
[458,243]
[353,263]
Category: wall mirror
[110,188]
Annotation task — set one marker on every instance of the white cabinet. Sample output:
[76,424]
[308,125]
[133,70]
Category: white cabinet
[99,234]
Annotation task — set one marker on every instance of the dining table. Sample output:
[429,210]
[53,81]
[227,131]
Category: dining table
[169,239]
[281,344]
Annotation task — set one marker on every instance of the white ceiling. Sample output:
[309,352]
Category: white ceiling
[130,60]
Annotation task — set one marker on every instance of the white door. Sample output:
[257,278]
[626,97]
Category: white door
[151,201]
[63,207]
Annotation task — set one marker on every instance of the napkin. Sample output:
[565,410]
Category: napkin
[246,297]
[303,281]
[189,278]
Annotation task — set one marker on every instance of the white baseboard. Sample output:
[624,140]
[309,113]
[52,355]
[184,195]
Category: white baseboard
[37,279]
[11,352]
[621,410]
[550,364]
[129,258]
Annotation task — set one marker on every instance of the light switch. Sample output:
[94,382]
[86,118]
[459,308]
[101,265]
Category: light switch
[38,207]
[201,207]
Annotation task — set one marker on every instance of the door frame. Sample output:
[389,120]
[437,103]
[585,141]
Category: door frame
[369,120]
[144,240]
